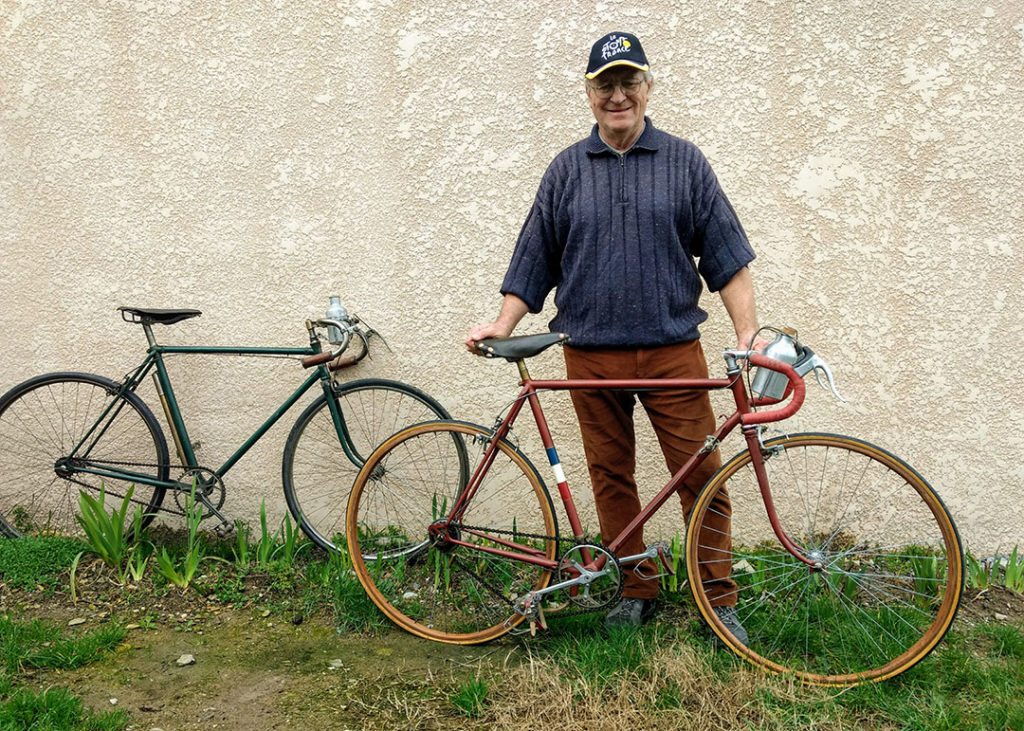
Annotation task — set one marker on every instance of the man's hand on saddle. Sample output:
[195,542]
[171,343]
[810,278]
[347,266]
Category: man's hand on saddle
[484,331]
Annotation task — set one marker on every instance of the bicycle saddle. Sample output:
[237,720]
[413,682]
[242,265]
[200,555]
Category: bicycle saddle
[144,315]
[520,346]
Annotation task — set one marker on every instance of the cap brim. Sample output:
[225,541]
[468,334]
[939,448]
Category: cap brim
[620,62]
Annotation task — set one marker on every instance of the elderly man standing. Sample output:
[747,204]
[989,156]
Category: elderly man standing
[625,225]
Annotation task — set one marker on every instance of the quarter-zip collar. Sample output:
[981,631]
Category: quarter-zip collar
[649,139]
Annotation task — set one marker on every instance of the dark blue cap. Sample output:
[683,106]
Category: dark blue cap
[616,49]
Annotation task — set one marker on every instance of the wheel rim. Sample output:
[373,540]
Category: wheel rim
[890,563]
[39,486]
[402,553]
[319,475]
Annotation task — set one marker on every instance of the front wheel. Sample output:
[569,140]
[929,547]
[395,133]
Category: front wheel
[888,564]
[318,470]
[457,581]
[57,428]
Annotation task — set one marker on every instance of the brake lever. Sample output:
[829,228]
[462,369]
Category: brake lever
[812,362]
[369,333]
[831,381]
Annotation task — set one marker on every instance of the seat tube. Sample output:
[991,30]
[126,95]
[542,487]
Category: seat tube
[553,460]
[173,414]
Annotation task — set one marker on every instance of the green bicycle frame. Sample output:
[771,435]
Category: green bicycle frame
[155,360]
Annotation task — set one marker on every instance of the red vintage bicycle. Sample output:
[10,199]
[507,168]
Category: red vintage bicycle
[845,565]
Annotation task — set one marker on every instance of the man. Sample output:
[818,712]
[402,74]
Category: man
[624,226]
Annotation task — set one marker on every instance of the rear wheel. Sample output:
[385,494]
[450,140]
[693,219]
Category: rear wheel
[317,472]
[42,420]
[405,553]
[888,562]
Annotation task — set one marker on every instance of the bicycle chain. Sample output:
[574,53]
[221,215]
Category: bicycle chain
[519,534]
[161,509]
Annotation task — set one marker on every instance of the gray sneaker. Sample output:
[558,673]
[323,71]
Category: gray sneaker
[630,612]
[728,617]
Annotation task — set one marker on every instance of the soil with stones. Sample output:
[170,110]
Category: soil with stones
[254,668]
[263,664]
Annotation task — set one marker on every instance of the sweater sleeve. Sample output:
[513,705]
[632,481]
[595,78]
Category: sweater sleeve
[536,267]
[720,243]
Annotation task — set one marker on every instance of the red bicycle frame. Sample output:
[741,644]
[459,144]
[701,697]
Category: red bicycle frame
[744,416]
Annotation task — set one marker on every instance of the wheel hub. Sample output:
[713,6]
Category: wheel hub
[819,561]
[441,532]
[63,467]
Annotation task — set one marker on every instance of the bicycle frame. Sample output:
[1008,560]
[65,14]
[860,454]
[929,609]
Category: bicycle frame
[744,415]
[154,362]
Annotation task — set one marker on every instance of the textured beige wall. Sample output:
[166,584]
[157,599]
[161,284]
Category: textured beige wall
[248,159]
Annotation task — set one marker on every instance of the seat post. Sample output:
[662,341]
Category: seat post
[523,373]
[147,327]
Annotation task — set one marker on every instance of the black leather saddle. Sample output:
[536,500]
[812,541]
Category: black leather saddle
[149,316]
[520,346]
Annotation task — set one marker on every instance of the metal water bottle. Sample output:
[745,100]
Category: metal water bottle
[335,311]
[772,384]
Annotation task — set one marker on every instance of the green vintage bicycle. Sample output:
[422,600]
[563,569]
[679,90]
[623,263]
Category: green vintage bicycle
[65,432]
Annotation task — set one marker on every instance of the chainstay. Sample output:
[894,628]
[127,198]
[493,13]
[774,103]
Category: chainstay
[143,503]
[519,534]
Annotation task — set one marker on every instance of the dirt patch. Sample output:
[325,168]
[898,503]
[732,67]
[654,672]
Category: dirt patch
[253,673]
[266,663]
[995,604]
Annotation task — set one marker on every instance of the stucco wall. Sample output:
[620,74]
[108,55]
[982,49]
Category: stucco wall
[249,159]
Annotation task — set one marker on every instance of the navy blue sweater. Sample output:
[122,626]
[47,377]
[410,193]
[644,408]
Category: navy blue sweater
[626,239]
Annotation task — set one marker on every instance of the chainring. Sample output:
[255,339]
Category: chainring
[208,485]
[602,591]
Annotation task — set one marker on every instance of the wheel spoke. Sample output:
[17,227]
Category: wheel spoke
[885,545]
[318,475]
[397,525]
[44,418]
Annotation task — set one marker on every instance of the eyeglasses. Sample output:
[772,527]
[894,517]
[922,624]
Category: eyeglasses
[630,86]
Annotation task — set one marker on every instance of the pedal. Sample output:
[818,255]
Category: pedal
[664,552]
[224,529]
[533,610]
[661,551]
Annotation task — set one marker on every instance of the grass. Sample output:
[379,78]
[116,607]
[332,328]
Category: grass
[1006,571]
[37,562]
[52,710]
[665,675]
[334,583]
[38,644]
[583,647]
[470,697]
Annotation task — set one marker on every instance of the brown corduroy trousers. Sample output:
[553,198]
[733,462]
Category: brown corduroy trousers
[681,420]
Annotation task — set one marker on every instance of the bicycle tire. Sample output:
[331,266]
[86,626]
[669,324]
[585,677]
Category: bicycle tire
[317,474]
[428,586]
[42,418]
[891,562]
